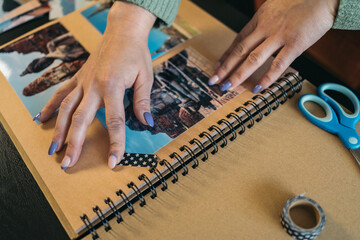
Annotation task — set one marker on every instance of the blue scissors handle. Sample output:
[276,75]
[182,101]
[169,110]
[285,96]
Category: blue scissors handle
[332,121]
[345,119]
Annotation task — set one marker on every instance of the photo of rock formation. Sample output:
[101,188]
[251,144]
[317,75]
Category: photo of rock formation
[38,64]
[55,43]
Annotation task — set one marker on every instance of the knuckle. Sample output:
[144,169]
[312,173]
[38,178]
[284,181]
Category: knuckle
[267,80]
[49,107]
[223,69]
[115,122]
[116,145]
[278,64]
[58,93]
[236,77]
[107,83]
[296,41]
[71,145]
[142,103]
[239,50]
[254,58]
[79,118]
[66,104]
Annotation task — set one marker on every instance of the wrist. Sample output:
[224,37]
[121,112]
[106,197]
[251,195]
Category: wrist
[333,6]
[129,19]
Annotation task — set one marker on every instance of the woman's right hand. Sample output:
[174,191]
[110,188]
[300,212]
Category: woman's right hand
[288,27]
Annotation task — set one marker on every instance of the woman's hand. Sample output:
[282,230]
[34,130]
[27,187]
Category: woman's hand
[122,60]
[286,27]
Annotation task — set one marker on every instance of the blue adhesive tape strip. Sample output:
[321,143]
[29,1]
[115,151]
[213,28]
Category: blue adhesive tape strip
[296,231]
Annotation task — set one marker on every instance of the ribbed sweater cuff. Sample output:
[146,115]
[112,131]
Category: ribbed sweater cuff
[164,10]
[348,16]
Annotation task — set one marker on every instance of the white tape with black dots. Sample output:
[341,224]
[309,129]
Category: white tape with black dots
[302,218]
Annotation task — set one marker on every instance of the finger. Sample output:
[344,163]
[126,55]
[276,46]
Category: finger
[80,122]
[278,66]
[142,90]
[115,121]
[249,28]
[238,54]
[52,105]
[254,60]
[67,108]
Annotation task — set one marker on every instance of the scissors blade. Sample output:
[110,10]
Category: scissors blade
[356,154]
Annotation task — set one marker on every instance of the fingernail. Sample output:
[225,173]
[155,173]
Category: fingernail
[217,65]
[213,80]
[257,88]
[225,86]
[65,163]
[149,119]
[52,148]
[37,116]
[112,161]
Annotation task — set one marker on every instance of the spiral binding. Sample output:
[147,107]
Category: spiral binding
[192,155]
[149,184]
[274,98]
[211,140]
[220,132]
[284,94]
[268,106]
[138,193]
[114,210]
[171,169]
[181,161]
[126,201]
[231,128]
[160,177]
[249,115]
[239,120]
[89,226]
[258,107]
[202,148]
[102,218]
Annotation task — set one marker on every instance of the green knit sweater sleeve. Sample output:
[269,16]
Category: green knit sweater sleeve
[164,10]
[348,15]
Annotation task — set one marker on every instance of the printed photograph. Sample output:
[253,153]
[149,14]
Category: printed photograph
[180,98]
[24,13]
[160,41]
[61,8]
[37,65]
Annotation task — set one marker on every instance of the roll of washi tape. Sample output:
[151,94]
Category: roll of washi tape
[303,218]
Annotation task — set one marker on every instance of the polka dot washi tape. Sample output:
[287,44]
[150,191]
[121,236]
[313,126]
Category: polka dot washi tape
[302,218]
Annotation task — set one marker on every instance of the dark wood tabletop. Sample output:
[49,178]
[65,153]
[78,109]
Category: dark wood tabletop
[24,210]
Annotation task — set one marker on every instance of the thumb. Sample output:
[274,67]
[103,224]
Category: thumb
[142,91]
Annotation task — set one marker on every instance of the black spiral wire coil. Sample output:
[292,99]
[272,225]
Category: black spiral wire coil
[114,210]
[235,124]
[144,178]
[102,218]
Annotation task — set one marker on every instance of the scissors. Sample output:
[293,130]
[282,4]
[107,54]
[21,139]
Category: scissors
[336,121]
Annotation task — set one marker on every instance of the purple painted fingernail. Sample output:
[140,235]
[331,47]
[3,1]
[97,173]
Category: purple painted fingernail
[149,119]
[225,86]
[112,161]
[52,148]
[37,116]
[65,163]
[257,88]
[213,80]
